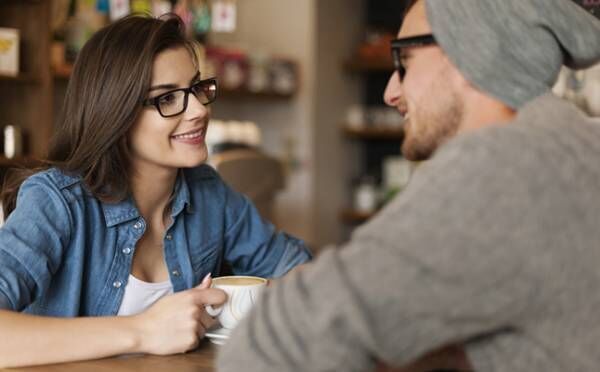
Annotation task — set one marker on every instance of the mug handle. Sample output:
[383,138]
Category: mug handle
[214,312]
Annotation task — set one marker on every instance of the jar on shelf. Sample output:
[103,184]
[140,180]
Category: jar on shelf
[366,196]
[258,74]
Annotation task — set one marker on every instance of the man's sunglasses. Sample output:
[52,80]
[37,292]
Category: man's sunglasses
[399,45]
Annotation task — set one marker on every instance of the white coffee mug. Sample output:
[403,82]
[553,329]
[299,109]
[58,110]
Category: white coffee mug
[242,294]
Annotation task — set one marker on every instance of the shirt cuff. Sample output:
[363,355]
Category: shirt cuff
[296,253]
[5,304]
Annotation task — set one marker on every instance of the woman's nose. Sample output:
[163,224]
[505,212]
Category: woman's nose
[195,108]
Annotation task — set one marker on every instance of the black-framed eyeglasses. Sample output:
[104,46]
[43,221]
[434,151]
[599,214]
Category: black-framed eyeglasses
[174,102]
[398,45]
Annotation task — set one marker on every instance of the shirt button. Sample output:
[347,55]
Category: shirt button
[175,273]
[137,225]
[117,284]
[126,250]
[169,237]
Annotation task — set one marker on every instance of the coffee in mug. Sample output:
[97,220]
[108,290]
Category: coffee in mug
[238,280]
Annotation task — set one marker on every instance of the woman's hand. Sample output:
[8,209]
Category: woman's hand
[176,323]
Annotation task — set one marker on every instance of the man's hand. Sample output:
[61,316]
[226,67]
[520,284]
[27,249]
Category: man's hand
[451,357]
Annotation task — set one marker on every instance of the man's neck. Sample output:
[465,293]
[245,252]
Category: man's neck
[486,111]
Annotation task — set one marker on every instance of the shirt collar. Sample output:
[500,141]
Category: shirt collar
[181,198]
[125,210]
[119,212]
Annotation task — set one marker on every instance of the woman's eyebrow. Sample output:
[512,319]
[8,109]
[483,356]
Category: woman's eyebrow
[173,86]
[163,86]
[196,77]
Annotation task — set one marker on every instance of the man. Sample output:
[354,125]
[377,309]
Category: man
[494,245]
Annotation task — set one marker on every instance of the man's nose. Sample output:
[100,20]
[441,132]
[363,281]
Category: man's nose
[393,90]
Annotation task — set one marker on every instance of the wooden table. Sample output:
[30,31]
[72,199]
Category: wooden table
[200,360]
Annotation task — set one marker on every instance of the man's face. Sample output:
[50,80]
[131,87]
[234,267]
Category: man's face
[428,96]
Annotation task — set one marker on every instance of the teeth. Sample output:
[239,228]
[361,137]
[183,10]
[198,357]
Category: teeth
[189,135]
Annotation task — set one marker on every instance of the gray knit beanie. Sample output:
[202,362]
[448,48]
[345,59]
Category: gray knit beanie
[514,49]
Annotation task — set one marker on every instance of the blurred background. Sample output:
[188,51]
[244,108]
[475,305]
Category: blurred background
[299,126]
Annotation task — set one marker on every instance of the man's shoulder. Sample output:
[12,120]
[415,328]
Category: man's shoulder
[549,110]
[549,142]
[547,124]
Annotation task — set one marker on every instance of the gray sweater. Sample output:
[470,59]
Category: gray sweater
[495,244]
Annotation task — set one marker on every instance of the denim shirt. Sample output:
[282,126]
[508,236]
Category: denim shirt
[63,252]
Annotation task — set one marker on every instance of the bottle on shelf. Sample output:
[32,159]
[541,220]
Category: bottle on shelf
[13,142]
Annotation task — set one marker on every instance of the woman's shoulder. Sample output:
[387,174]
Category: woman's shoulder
[53,178]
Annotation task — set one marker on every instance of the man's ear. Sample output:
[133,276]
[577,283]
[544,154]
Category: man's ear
[454,75]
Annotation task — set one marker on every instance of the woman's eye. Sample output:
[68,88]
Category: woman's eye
[403,62]
[167,99]
[197,88]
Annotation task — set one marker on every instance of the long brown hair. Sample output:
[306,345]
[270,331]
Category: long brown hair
[111,77]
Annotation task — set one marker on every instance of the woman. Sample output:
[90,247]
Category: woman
[126,213]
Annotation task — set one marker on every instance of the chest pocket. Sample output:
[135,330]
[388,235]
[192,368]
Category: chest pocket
[209,259]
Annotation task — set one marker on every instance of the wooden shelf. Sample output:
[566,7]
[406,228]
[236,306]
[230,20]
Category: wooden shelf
[374,133]
[353,217]
[27,100]
[24,161]
[24,78]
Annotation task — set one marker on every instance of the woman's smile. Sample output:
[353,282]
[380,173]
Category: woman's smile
[193,137]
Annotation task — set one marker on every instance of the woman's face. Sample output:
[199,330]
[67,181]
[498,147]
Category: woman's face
[173,142]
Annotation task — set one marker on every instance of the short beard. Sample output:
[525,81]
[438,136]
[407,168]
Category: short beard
[434,125]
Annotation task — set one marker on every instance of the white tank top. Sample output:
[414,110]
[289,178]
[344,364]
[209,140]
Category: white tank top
[140,295]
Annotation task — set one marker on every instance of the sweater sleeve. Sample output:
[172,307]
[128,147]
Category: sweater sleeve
[436,266]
